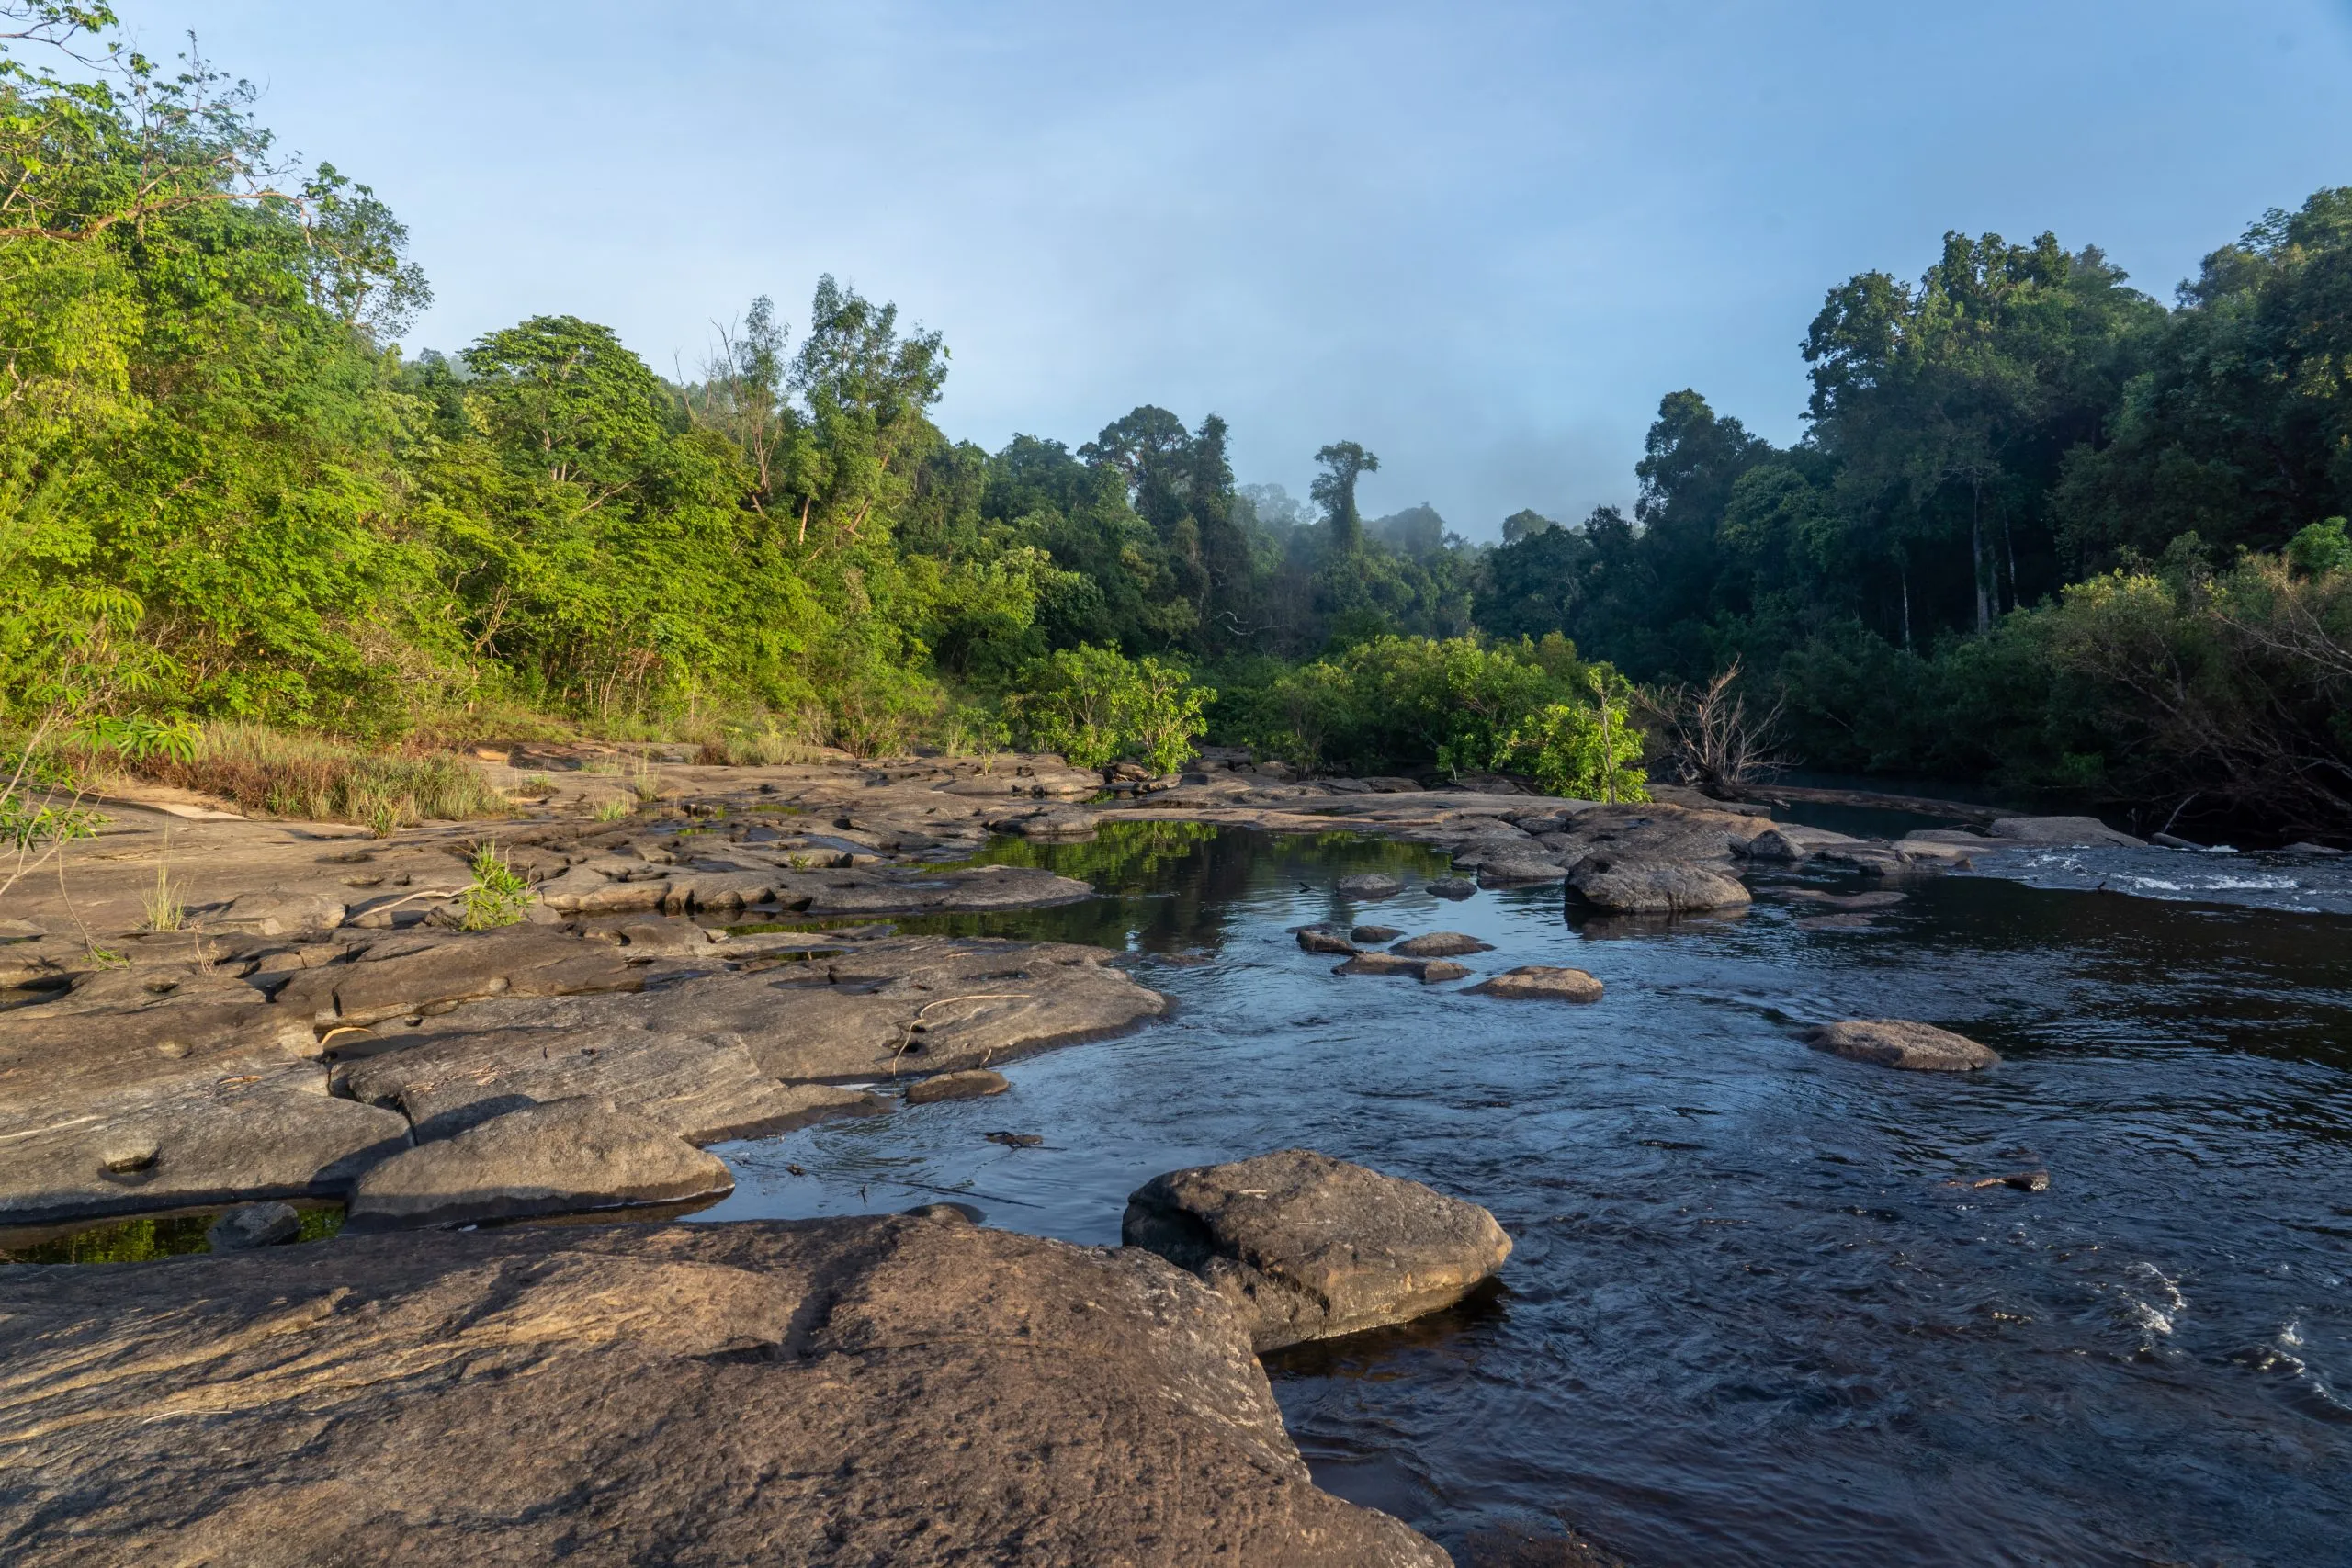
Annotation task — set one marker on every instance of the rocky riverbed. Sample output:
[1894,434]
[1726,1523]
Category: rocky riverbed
[709,955]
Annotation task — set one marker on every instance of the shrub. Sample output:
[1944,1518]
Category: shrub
[1095,706]
[1589,751]
[497,897]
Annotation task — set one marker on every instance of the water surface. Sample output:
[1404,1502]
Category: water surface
[1757,1315]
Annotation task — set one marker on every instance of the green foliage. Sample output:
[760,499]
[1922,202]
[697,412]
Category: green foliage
[2320,549]
[1096,707]
[1588,751]
[497,897]
[1409,703]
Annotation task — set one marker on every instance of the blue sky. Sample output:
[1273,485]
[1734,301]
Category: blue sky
[1481,239]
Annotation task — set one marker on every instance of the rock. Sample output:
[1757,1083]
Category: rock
[947,1213]
[1661,833]
[586,891]
[2069,831]
[1539,982]
[1454,887]
[1438,970]
[560,1157]
[1775,844]
[1374,935]
[1442,944]
[276,913]
[1518,872]
[254,1224]
[1306,1246]
[129,1150]
[2173,842]
[956,1085]
[833,1393]
[702,1087]
[2304,848]
[1015,1140]
[1647,888]
[1898,1043]
[966,890]
[417,974]
[1389,964]
[187,1140]
[1065,823]
[2023,1180]
[1389,784]
[1882,899]
[1370,885]
[1323,938]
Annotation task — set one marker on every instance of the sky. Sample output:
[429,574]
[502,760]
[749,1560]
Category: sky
[1481,239]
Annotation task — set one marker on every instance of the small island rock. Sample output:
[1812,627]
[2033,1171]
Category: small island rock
[1541,982]
[1307,1246]
[973,1085]
[1442,944]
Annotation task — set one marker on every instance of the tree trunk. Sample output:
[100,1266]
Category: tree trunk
[1976,553]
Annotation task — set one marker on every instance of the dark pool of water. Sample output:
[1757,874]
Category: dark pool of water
[1756,1314]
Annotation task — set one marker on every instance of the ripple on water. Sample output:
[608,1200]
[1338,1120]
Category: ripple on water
[1756,1314]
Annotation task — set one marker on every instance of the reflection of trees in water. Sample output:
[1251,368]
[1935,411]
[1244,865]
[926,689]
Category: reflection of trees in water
[1171,885]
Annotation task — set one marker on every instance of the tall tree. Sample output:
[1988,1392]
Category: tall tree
[1334,489]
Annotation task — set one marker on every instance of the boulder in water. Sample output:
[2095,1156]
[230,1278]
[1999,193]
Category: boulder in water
[1306,1246]
[1370,885]
[1323,939]
[1541,982]
[1899,1043]
[1656,888]
[974,1085]
[2068,831]
[1442,944]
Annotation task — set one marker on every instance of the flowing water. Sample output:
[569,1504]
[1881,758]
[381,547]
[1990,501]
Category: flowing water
[1759,1312]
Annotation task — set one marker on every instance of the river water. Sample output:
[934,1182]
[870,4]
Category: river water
[1757,1313]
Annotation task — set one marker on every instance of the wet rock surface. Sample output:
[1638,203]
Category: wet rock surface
[1643,887]
[975,1085]
[1442,944]
[1899,1043]
[1307,1246]
[896,1391]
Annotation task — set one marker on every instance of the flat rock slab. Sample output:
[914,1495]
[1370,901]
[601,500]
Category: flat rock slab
[2076,832]
[268,1132]
[836,1392]
[1306,1246]
[1898,1043]
[975,1085]
[276,913]
[1651,888]
[563,1156]
[1540,982]
[1427,971]
[421,974]
[1442,944]
[1370,885]
[1374,935]
[704,1088]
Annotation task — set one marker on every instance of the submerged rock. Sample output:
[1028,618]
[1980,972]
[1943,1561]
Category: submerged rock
[1540,982]
[1899,1043]
[1442,944]
[254,1224]
[974,1085]
[1374,935]
[1306,1246]
[833,1393]
[561,1157]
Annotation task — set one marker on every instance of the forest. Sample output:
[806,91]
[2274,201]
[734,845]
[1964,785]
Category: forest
[2044,533]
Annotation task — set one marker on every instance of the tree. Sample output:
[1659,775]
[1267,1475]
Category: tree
[1334,489]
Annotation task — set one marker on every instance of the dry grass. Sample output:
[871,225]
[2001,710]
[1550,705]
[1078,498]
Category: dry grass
[321,780]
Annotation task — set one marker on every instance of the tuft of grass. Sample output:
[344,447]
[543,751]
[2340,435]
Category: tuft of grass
[283,774]
[165,909]
[766,742]
[497,896]
[615,809]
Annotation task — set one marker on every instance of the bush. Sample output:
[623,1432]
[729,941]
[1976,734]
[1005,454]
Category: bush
[1590,752]
[1095,706]
[497,896]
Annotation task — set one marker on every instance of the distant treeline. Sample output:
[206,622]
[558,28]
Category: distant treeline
[225,495]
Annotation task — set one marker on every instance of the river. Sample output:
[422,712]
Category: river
[1760,1311]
